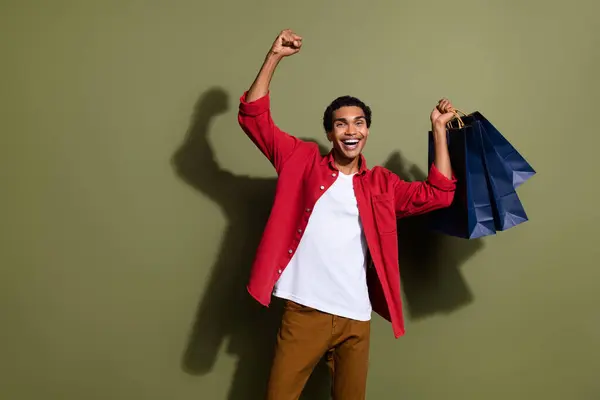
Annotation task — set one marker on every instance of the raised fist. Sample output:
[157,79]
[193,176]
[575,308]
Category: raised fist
[442,113]
[286,43]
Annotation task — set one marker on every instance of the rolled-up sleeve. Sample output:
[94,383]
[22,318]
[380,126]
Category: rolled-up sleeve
[256,121]
[440,181]
[413,198]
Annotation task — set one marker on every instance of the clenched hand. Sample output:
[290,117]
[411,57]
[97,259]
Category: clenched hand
[442,113]
[286,44]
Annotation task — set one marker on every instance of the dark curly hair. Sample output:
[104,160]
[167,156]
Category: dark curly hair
[344,101]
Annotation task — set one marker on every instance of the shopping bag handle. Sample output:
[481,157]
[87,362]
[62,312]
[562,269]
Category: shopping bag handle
[456,113]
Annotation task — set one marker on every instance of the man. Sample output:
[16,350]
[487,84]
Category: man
[329,248]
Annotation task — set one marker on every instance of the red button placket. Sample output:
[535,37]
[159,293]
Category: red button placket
[300,230]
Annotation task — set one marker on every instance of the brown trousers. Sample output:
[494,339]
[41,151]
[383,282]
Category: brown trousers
[305,336]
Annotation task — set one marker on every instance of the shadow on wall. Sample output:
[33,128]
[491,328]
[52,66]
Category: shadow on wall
[228,315]
[429,262]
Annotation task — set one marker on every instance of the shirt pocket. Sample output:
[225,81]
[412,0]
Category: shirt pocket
[384,213]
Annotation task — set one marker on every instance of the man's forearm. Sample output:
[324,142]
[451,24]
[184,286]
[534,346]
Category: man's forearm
[260,86]
[442,157]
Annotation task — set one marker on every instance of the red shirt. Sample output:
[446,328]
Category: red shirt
[303,175]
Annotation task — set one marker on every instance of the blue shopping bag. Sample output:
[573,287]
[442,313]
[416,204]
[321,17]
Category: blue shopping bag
[507,207]
[513,161]
[471,213]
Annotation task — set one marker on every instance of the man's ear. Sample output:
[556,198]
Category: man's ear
[329,136]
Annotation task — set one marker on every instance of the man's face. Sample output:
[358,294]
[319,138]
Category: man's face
[350,131]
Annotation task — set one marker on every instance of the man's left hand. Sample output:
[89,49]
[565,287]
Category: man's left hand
[442,114]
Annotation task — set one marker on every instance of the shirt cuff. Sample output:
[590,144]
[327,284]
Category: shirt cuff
[440,181]
[256,107]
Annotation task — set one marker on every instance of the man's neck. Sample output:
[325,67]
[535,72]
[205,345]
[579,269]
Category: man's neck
[345,165]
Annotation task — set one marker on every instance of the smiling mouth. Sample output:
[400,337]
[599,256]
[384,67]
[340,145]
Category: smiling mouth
[350,144]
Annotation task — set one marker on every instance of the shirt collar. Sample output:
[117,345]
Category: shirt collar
[362,162]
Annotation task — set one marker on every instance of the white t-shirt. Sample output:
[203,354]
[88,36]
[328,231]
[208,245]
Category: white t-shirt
[328,270]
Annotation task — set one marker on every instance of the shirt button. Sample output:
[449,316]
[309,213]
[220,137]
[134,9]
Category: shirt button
[279,271]
[299,230]
[308,210]
[322,187]
[290,251]
[333,174]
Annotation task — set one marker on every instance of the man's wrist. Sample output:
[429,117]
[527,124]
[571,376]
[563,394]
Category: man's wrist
[272,56]
[439,130]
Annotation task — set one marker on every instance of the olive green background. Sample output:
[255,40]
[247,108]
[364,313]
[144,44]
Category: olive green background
[132,201]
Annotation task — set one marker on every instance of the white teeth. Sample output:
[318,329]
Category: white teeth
[350,142]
